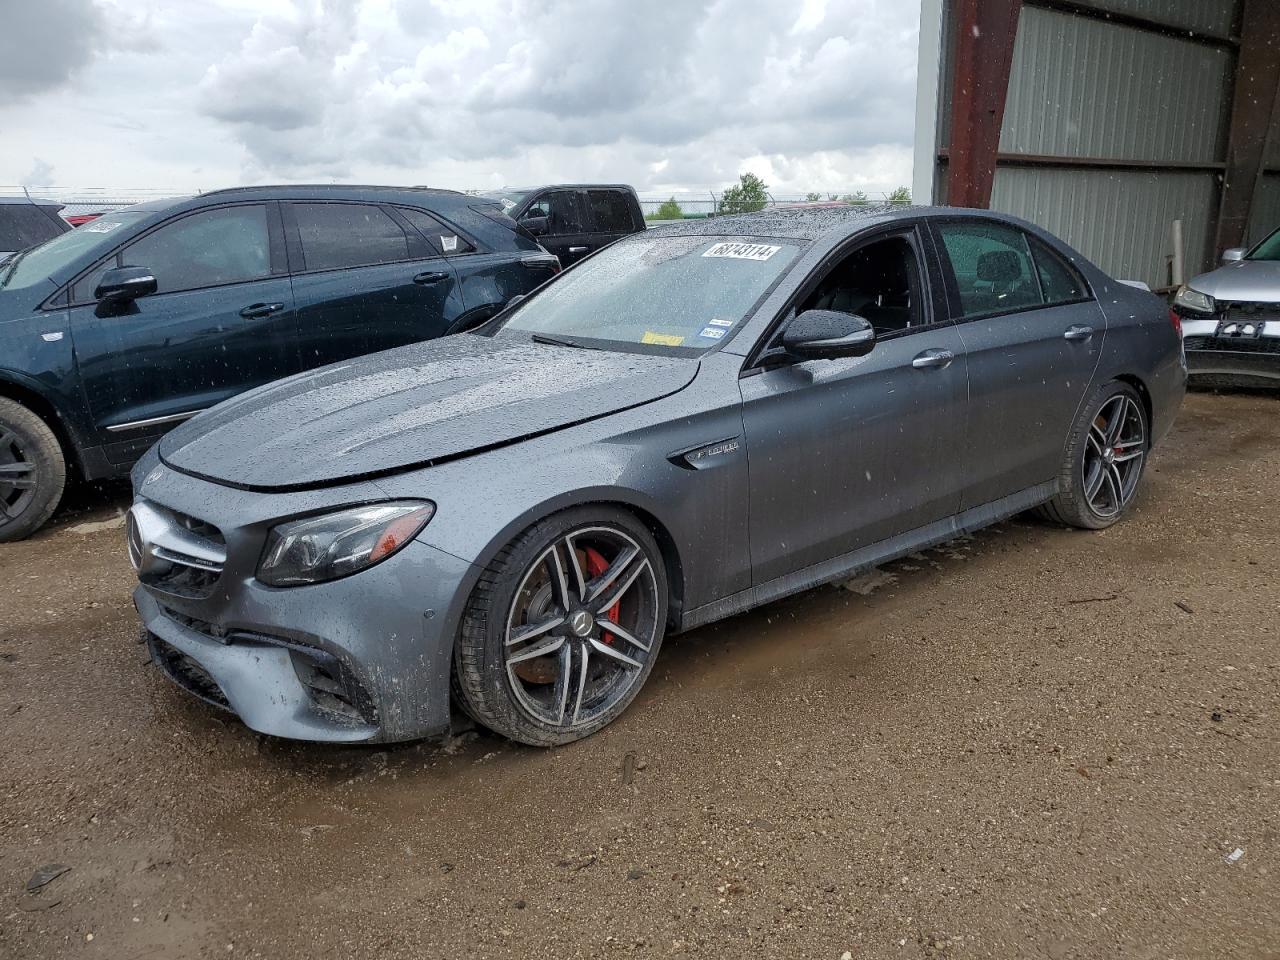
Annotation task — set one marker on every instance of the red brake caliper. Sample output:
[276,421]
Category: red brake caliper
[596,565]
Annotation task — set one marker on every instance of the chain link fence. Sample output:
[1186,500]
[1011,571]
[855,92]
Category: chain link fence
[85,201]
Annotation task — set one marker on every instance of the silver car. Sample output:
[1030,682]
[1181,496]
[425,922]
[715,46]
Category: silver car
[1231,318]
[692,422]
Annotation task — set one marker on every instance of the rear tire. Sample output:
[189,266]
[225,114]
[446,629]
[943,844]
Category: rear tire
[1104,460]
[33,472]
[563,628]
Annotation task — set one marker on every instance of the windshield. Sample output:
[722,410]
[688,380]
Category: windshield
[657,294]
[509,199]
[1268,249]
[48,259]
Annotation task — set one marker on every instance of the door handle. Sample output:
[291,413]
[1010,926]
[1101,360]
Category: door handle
[577,249]
[1078,331]
[431,276]
[255,310]
[933,359]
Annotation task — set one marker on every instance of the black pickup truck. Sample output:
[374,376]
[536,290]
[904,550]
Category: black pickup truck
[573,220]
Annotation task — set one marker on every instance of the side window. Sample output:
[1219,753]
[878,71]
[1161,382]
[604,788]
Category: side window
[992,266]
[561,211]
[336,235]
[442,239]
[610,211]
[1058,280]
[879,282]
[82,291]
[205,249]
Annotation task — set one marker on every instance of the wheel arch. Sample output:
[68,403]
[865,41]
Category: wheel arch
[46,410]
[672,559]
[1145,395]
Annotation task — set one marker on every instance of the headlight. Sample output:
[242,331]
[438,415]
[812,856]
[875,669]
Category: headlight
[337,544]
[1194,300]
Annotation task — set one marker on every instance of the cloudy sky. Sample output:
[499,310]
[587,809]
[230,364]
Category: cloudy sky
[668,95]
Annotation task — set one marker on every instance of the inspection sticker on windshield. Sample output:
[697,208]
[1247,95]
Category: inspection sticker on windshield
[742,251]
[662,339]
[713,322]
[712,333]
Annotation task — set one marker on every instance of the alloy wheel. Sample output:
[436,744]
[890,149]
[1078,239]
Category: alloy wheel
[582,627]
[17,476]
[1113,455]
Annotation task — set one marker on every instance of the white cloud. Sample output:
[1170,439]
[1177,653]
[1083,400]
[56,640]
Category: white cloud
[667,94]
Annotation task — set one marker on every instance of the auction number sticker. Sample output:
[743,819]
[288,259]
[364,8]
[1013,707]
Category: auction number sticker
[101,226]
[742,251]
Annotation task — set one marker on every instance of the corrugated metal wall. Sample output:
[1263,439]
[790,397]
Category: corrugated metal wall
[1085,88]
[1119,219]
[1211,17]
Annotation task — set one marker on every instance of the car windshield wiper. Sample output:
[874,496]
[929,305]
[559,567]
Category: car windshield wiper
[559,341]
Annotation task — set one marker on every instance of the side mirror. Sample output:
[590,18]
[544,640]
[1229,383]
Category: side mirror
[1232,254]
[538,226]
[817,334]
[123,284]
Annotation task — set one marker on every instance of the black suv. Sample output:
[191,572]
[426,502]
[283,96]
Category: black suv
[25,222]
[136,321]
[573,220]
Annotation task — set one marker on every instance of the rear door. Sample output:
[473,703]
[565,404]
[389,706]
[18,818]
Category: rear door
[612,216]
[1033,333]
[568,235]
[220,322]
[364,280]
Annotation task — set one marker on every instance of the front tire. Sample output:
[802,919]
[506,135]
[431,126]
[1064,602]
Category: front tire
[33,472]
[1104,460]
[563,628]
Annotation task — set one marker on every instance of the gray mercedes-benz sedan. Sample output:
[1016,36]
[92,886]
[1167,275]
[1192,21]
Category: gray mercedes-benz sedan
[692,422]
[1231,318]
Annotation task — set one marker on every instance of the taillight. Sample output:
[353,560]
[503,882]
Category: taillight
[1176,321]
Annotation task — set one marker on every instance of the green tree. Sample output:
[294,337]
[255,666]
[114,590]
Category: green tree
[748,195]
[901,195]
[812,196]
[667,210]
[857,198]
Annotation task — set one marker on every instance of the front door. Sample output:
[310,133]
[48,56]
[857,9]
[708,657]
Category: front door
[365,279]
[846,453]
[1033,335]
[568,235]
[221,321]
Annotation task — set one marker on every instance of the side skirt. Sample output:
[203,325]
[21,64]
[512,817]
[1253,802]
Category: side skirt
[857,561]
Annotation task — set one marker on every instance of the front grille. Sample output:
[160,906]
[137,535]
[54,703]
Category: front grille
[174,552]
[1263,345]
[187,673]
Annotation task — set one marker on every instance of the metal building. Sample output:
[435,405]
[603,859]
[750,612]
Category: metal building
[1105,121]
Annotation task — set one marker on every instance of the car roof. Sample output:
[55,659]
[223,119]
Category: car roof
[813,222]
[32,202]
[372,193]
[564,186]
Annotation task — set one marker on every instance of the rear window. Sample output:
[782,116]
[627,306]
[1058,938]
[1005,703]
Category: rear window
[24,225]
[337,235]
[610,211]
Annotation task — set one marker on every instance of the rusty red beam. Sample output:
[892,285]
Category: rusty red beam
[984,35]
[1254,112]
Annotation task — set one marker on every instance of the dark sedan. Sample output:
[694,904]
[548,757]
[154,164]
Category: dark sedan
[138,320]
[690,423]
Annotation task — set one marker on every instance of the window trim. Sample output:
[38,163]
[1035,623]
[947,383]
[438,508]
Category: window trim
[914,233]
[275,247]
[293,238]
[476,246]
[954,306]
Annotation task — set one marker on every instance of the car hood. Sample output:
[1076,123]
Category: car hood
[1244,280]
[411,407]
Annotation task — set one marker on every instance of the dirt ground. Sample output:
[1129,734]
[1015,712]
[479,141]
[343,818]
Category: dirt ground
[1034,743]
